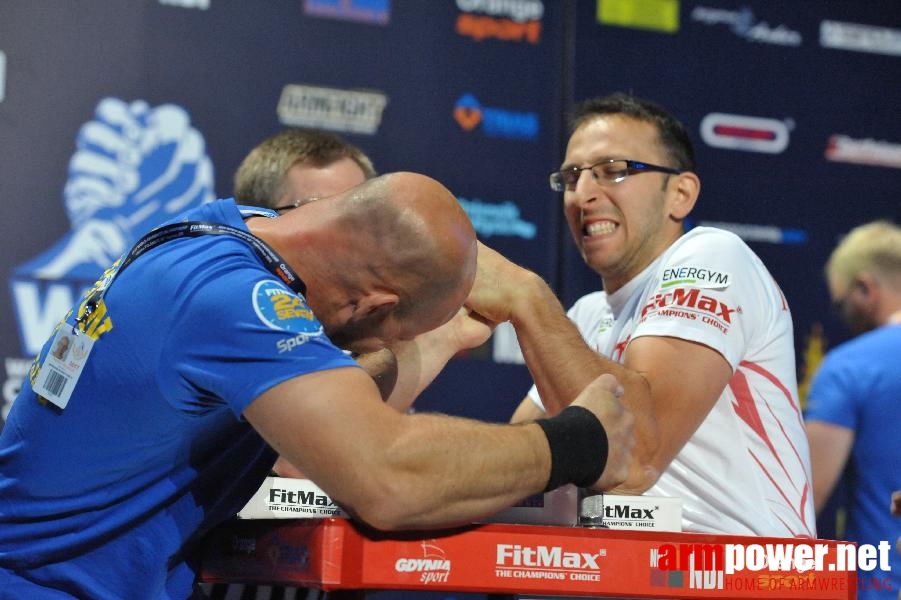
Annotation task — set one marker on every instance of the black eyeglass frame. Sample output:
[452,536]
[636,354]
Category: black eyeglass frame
[557,179]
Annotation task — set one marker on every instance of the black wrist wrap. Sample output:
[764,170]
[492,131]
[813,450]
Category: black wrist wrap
[578,447]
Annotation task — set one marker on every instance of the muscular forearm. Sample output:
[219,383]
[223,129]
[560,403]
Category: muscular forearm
[403,371]
[443,470]
[560,361]
[382,367]
[562,364]
[418,363]
[425,470]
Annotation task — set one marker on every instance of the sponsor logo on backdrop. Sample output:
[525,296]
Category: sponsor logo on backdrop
[745,25]
[878,153]
[751,232]
[377,12]
[519,561]
[500,219]
[198,4]
[495,122]
[652,15]
[508,20]
[750,134]
[490,219]
[2,75]
[355,111]
[134,166]
[860,38]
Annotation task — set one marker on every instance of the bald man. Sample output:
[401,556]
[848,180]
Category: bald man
[217,342]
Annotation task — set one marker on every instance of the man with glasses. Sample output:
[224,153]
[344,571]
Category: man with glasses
[295,166]
[691,324]
[853,404]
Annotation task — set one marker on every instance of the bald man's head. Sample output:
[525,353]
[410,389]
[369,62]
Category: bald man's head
[397,254]
[426,236]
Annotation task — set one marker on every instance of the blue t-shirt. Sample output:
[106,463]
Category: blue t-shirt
[858,386]
[103,499]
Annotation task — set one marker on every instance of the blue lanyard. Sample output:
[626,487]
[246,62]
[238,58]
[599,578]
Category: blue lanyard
[191,229]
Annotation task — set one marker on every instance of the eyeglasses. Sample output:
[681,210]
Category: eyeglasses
[613,170]
[296,204]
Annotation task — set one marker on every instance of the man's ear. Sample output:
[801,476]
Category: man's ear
[374,306]
[868,284]
[688,186]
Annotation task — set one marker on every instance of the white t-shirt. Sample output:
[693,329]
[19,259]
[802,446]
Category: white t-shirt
[746,470]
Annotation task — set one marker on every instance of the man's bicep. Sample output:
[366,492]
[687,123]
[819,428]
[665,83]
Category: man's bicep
[322,422]
[685,380]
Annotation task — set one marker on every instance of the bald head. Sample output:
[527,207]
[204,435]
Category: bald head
[388,259]
[421,238]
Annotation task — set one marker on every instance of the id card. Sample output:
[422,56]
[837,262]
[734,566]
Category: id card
[62,366]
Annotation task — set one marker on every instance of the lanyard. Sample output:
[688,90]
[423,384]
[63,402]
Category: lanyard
[191,229]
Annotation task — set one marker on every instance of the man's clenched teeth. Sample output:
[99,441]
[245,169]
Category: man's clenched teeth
[599,228]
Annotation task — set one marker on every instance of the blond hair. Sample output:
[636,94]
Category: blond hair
[873,248]
[260,180]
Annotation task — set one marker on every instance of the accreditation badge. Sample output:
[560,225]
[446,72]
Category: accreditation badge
[62,366]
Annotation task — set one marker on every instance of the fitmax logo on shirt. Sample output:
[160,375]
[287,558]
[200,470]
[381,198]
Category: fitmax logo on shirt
[495,122]
[691,304]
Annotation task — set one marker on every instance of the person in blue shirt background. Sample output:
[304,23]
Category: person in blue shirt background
[854,402]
